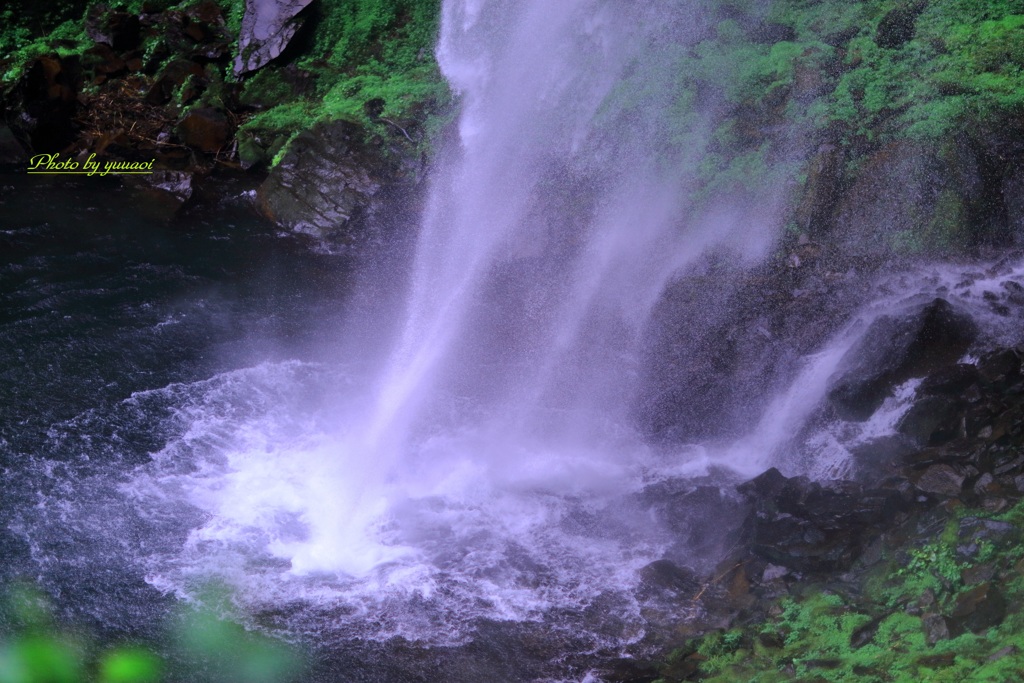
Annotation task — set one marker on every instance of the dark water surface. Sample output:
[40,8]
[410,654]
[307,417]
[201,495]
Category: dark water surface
[104,296]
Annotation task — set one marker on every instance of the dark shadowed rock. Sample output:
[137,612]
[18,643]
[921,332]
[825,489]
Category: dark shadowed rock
[1000,366]
[820,192]
[977,609]
[206,130]
[327,179]
[935,628]
[769,33]
[701,519]
[874,458]
[119,30]
[941,480]
[951,381]
[267,27]
[810,526]
[931,421]
[178,184]
[897,27]
[11,151]
[666,577]
[48,102]
[975,530]
[1013,203]
[894,349]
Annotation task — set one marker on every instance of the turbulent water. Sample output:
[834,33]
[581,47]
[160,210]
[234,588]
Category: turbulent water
[196,402]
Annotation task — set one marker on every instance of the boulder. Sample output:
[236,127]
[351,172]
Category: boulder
[976,530]
[935,628]
[813,527]
[941,480]
[819,193]
[326,180]
[118,30]
[977,609]
[206,130]
[267,28]
[11,151]
[895,348]
[49,104]
[701,519]
[931,421]
[664,578]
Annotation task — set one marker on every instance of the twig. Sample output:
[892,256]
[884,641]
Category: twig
[716,580]
[399,128]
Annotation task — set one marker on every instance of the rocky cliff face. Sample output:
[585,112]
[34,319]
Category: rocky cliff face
[209,87]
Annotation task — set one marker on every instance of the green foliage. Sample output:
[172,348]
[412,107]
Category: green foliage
[373,64]
[203,646]
[813,635]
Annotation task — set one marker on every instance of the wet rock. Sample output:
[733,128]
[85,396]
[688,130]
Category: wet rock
[941,480]
[267,28]
[872,459]
[931,421]
[811,527]
[819,194]
[937,661]
[976,530]
[11,151]
[951,381]
[48,103]
[935,628]
[701,519]
[978,573]
[326,180]
[1003,652]
[977,609]
[206,130]
[894,349]
[1013,201]
[1000,366]
[863,635]
[178,184]
[118,30]
[665,578]
[910,197]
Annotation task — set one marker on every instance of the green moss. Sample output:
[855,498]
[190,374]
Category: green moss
[812,635]
[370,62]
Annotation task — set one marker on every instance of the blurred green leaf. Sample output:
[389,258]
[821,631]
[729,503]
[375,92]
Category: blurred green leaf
[130,666]
[40,659]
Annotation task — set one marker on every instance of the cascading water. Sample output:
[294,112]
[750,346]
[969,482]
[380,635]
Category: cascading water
[553,223]
[489,469]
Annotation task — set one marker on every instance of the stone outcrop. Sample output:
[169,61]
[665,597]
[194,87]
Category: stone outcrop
[894,349]
[267,28]
[327,182]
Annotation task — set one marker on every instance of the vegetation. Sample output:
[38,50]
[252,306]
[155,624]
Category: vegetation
[200,646]
[370,62]
[766,84]
[875,631]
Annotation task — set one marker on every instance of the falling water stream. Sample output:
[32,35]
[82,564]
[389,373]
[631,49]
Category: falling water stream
[486,468]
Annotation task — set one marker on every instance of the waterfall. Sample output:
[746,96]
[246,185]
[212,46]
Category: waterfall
[552,229]
[502,415]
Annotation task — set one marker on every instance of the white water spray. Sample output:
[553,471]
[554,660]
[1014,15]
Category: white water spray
[550,233]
